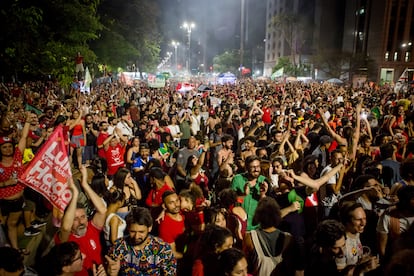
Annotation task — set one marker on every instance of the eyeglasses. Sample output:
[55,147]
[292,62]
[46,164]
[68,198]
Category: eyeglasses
[78,258]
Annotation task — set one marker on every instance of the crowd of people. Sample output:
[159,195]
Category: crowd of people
[257,178]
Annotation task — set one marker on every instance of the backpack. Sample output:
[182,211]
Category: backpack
[266,265]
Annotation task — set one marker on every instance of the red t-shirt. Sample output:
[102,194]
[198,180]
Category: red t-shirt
[154,197]
[115,158]
[89,245]
[99,142]
[170,228]
[267,117]
[7,172]
[79,59]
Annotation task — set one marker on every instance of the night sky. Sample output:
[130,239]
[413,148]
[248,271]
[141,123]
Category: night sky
[217,24]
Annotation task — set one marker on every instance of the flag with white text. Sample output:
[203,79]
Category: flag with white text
[49,171]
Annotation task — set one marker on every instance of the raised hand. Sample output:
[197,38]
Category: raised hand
[113,266]
[98,270]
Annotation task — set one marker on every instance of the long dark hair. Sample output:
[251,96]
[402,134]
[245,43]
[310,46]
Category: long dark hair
[267,213]
[228,259]
[119,178]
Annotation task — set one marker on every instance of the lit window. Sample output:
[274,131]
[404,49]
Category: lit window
[387,55]
[395,56]
[407,56]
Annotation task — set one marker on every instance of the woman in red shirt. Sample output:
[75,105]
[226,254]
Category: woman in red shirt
[11,189]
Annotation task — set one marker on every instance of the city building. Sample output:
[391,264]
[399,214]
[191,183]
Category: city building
[376,37]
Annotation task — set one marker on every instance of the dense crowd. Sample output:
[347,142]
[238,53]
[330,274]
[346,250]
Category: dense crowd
[257,178]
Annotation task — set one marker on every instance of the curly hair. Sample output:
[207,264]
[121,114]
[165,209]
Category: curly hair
[328,232]
[267,213]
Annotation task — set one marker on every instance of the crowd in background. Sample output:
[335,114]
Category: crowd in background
[260,178]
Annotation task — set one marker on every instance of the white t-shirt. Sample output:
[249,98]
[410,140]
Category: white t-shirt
[174,130]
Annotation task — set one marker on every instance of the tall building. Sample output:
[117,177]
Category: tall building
[383,30]
[299,29]
[380,31]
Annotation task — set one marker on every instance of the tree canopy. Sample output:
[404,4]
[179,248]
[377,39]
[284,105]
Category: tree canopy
[42,37]
[229,61]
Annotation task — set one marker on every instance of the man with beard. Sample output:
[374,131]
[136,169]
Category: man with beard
[47,119]
[103,134]
[251,187]
[140,253]
[182,159]
[329,247]
[225,156]
[76,227]
[328,253]
[92,133]
[172,226]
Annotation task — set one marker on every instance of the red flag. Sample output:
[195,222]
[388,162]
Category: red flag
[48,172]
[245,71]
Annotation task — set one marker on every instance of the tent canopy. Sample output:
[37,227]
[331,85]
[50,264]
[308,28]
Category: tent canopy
[335,80]
[226,78]
[204,88]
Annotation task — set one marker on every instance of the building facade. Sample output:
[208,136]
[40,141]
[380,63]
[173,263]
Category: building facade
[382,31]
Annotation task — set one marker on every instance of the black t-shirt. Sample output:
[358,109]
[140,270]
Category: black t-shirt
[90,137]
[320,265]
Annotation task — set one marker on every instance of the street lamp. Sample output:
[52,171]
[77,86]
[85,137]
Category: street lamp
[188,27]
[407,49]
[175,44]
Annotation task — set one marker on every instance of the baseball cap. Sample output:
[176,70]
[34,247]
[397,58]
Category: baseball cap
[157,173]
[4,140]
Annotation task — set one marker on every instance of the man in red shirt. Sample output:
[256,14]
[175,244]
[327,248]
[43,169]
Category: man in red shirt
[102,136]
[172,226]
[114,151]
[79,63]
[76,227]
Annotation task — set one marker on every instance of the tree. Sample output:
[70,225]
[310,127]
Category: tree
[337,64]
[42,37]
[293,28]
[229,61]
[134,26]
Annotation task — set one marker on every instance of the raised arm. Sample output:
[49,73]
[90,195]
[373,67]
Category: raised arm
[132,184]
[30,117]
[73,123]
[357,133]
[338,185]
[105,143]
[315,183]
[99,218]
[129,156]
[336,136]
[69,215]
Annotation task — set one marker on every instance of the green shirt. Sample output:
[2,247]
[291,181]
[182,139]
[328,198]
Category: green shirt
[251,200]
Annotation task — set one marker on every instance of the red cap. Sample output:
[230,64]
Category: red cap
[4,140]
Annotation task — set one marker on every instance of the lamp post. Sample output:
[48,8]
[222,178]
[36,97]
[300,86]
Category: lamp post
[242,14]
[188,27]
[175,44]
[407,50]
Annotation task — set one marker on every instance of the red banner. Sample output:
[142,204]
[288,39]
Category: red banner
[48,172]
